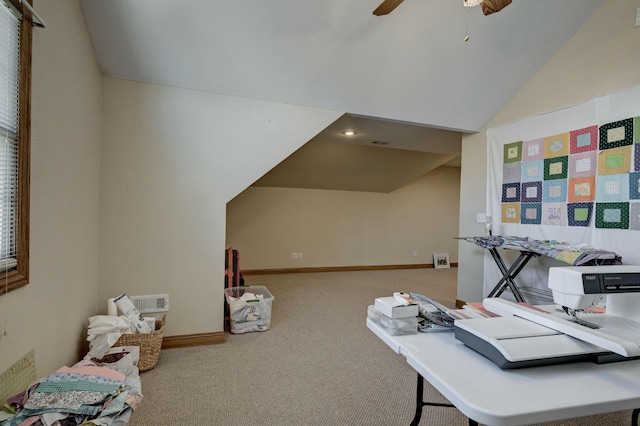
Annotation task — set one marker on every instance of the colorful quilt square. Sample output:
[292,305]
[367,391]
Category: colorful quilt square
[511,172]
[634,216]
[511,213]
[616,134]
[584,140]
[510,192]
[634,185]
[556,146]
[554,214]
[614,161]
[636,129]
[610,188]
[612,215]
[532,171]
[531,213]
[512,152]
[581,189]
[531,192]
[579,214]
[583,164]
[555,168]
[636,157]
[533,150]
[555,191]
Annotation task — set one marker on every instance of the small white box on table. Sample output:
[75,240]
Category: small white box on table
[391,308]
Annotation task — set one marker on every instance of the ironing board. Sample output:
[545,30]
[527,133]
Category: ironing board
[580,255]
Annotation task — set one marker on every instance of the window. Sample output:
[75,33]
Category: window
[15,112]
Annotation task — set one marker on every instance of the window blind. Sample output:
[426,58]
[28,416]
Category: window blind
[9,104]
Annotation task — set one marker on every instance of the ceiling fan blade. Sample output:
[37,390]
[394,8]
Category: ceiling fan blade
[493,6]
[386,7]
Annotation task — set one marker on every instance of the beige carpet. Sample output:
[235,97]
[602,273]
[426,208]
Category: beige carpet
[317,365]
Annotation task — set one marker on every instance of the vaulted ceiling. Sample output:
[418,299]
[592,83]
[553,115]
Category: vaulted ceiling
[407,78]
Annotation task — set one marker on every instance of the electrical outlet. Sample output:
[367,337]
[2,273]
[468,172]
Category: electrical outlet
[300,255]
[415,253]
[481,217]
[638,17]
[294,256]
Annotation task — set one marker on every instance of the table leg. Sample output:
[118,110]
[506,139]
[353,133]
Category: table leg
[634,417]
[420,403]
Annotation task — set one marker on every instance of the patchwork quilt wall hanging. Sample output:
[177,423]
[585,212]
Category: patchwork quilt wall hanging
[584,177]
[571,175]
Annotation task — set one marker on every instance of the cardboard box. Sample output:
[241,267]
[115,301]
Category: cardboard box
[389,307]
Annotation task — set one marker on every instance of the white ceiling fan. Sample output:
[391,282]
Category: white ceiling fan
[488,6]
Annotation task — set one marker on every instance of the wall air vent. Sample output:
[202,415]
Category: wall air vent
[153,303]
[380,143]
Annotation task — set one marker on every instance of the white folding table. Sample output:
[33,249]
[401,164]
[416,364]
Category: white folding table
[488,395]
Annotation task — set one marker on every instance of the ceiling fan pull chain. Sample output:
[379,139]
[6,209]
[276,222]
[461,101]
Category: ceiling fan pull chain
[466,26]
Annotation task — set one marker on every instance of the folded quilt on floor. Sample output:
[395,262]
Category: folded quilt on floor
[87,393]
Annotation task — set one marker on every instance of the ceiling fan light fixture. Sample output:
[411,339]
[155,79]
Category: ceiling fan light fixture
[472,3]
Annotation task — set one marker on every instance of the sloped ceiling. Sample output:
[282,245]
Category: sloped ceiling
[380,157]
[337,166]
[409,68]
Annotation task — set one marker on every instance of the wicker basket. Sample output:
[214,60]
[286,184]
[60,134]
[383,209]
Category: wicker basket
[149,343]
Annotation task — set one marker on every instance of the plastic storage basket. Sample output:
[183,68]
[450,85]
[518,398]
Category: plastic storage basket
[248,313]
[393,326]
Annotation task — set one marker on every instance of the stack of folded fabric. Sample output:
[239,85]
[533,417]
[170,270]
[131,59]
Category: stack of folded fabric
[88,393]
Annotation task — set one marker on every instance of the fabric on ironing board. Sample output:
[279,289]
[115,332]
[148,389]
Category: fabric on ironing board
[564,252]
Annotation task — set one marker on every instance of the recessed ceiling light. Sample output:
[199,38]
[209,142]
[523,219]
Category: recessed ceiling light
[349,133]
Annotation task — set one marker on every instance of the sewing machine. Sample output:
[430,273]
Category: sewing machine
[579,288]
[526,335]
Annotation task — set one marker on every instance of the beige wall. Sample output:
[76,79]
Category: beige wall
[346,228]
[50,314]
[171,160]
[602,57]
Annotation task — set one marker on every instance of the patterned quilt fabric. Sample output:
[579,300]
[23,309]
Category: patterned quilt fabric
[84,393]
